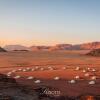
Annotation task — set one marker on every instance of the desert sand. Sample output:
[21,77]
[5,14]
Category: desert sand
[47,65]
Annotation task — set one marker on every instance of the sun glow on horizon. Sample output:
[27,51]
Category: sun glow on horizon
[49,22]
[29,43]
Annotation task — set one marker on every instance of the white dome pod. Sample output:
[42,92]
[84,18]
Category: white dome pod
[9,73]
[84,71]
[64,68]
[13,71]
[56,78]
[41,69]
[30,77]
[88,68]
[87,75]
[28,68]
[17,77]
[77,77]
[36,67]
[77,68]
[93,70]
[72,81]
[93,77]
[32,69]
[37,81]
[20,69]
[24,70]
[50,67]
[91,82]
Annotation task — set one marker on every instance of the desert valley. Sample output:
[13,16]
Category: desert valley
[66,73]
[49,49]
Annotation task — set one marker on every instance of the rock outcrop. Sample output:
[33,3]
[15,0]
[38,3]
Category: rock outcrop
[2,50]
[11,90]
[95,52]
[15,47]
[90,46]
[84,46]
[39,48]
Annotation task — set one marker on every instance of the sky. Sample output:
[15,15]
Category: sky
[49,22]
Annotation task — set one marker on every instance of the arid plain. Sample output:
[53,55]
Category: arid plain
[54,69]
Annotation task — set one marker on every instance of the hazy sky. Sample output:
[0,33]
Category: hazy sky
[49,22]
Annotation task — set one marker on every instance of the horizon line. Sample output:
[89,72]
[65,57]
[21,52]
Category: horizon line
[21,44]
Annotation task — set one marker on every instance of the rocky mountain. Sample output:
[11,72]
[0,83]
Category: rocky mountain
[15,48]
[95,52]
[51,48]
[60,47]
[38,48]
[90,46]
[64,46]
[84,46]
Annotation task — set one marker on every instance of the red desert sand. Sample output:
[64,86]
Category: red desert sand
[71,72]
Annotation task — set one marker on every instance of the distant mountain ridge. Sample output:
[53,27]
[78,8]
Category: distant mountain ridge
[90,46]
[84,46]
[15,47]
